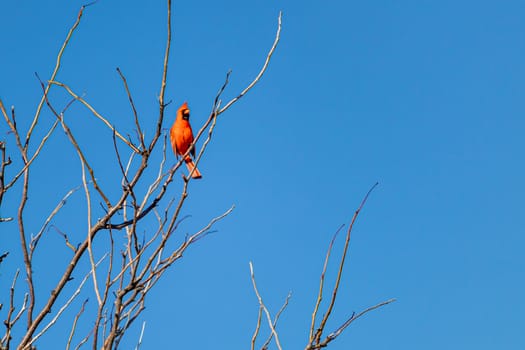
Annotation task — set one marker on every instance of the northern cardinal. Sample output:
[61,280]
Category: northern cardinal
[181,138]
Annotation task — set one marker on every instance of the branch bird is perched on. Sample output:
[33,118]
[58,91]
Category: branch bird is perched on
[181,137]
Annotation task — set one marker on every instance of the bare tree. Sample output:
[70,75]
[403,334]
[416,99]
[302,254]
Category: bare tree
[120,279]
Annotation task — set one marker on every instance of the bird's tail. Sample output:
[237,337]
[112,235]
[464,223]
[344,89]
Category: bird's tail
[191,166]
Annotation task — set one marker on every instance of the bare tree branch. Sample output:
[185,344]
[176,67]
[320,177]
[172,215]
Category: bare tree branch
[261,304]
[74,326]
[54,74]
[267,342]
[8,323]
[137,124]
[321,283]
[95,113]
[163,83]
[342,262]
[261,72]
[11,122]
[35,155]
[315,338]
[139,343]
[257,328]
[4,162]
[347,323]
[34,241]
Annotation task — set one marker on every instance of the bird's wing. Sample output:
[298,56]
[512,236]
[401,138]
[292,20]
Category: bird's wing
[172,140]
[188,135]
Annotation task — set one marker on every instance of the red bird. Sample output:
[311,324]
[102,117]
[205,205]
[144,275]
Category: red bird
[181,138]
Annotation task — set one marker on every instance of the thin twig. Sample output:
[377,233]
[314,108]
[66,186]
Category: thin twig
[7,321]
[321,283]
[12,125]
[339,330]
[95,113]
[74,326]
[23,241]
[66,238]
[257,328]
[263,69]
[261,303]
[34,241]
[265,345]
[153,187]
[137,124]
[4,162]
[90,238]
[107,286]
[84,340]
[35,155]
[141,335]
[54,74]
[22,309]
[28,263]
[163,82]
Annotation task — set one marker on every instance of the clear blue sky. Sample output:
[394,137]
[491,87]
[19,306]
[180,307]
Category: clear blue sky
[426,97]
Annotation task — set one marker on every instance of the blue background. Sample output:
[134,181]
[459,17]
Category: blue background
[425,97]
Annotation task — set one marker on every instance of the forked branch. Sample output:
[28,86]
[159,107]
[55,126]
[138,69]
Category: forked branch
[271,323]
[315,341]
